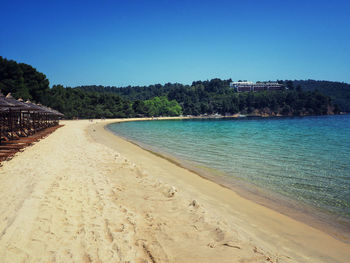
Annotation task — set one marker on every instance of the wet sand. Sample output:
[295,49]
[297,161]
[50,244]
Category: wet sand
[86,195]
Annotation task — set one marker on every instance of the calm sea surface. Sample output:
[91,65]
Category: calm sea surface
[305,159]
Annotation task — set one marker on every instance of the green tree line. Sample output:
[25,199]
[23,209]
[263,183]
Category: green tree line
[25,82]
[339,92]
[216,96]
[171,99]
[22,80]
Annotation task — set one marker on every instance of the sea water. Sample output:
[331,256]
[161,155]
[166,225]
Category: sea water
[304,159]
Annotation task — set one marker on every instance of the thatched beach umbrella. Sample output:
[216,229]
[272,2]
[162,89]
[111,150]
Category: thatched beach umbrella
[5,103]
[45,109]
[16,116]
[18,105]
[52,111]
[26,106]
[7,123]
[36,107]
[19,118]
[57,112]
[50,116]
[4,113]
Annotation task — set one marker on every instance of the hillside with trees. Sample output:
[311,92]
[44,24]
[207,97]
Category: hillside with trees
[22,80]
[216,96]
[339,92]
[25,82]
[171,99]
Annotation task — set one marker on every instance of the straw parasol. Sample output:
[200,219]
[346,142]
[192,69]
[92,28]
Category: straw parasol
[44,109]
[6,104]
[35,107]
[18,105]
[10,102]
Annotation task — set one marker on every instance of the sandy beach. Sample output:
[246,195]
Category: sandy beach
[85,195]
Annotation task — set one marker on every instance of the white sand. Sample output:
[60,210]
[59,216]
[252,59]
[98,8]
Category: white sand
[71,199]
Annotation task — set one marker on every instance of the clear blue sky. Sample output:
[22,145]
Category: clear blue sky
[111,42]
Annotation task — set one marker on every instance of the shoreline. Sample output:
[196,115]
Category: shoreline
[85,195]
[276,215]
[301,212]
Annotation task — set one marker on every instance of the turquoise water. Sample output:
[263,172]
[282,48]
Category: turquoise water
[305,159]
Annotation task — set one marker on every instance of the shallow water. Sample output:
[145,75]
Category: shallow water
[305,159]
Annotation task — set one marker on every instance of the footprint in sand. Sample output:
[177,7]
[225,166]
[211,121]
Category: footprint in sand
[171,191]
[194,204]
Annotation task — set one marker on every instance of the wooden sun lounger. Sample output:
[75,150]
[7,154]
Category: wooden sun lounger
[22,140]
[8,150]
[9,147]
[5,156]
[19,141]
[12,146]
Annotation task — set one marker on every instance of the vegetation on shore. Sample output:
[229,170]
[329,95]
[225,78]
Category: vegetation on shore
[202,97]
[339,92]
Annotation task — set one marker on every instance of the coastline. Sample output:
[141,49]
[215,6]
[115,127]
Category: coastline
[330,224]
[273,215]
[83,194]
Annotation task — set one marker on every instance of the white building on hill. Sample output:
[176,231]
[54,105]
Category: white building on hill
[248,86]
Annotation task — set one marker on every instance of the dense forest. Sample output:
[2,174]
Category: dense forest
[339,92]
[25,82]
[172,99]
[76,103]
[216,96]
[22,80]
